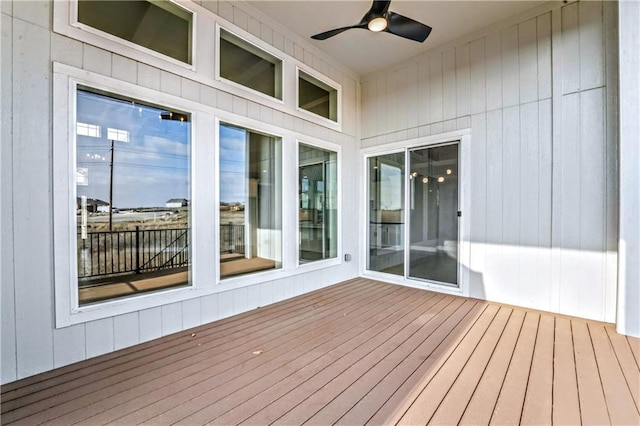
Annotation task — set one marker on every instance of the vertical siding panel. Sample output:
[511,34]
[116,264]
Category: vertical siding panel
[35,12]
[225,304]
[99,337]
[463,80]
[411,95]
[191,316]
[449,84]
[478,85]
[349,109]
[7,274]
[511,204]
[225,10]
[424,91]
[545,185]
[150,324]
[171,318]
[368,111]
[390,110]
[435,87]
[494,264]
[240,18]
[556,144]
[381,105]
[32,167]
[544,55]
[239,300]
[570,49]
[478,203]
[253,297]
[402,97]
[209,308]
[591,44]
[67,345]
[510,72]
[592,204]
[266,33]
[266,293]
[570,216]
[528,58]
[126,330]
[493,50]
[530,293]
[6,8]
[610,11]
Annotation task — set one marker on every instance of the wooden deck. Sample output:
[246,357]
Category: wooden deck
[354,353]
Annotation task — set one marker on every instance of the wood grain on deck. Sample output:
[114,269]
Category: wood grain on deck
[360,352]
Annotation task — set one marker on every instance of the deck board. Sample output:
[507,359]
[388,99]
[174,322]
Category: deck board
[538,401]
[360,352]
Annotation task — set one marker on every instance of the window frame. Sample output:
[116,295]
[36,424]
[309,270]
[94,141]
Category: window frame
[332,261]
[463,138]
[205,279]
[259,45]
[329,82]
[65,21]
[259,276]
[66,82]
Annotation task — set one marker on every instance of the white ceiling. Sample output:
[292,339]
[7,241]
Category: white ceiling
[363,51]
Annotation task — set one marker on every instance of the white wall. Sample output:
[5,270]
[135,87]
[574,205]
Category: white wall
[539,95]
[628,319]
[30,341]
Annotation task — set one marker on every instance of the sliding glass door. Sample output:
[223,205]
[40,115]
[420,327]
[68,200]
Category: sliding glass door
[386,213]
[427,249]
[433,214]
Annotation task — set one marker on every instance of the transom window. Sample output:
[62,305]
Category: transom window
[317,97]
[250,66]
[159,25]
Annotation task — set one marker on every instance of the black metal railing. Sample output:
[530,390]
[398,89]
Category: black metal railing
[136,251]
[231,238]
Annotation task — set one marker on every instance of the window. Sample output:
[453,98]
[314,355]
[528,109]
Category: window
[159,25]
[250,201]
[85,129]
[131,234]
[318,195]
[246,64]
[317,97]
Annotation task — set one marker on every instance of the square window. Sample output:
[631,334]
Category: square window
[317,97]
[250,202]
[159,25]
[250,66]
[132,208]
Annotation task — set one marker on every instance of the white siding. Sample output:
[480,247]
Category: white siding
[30,341]
[543,166]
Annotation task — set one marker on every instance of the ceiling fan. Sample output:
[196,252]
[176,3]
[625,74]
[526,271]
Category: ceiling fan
[379,18]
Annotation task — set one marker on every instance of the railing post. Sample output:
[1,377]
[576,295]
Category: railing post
[137,249]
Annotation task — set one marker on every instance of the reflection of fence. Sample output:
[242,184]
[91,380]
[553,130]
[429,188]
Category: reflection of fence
[145,250]
[386,234]
[231,238]
[136,251]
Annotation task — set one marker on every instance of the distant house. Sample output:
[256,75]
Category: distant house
[93,205]
[177,202]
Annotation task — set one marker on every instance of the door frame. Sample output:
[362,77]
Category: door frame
[463,138]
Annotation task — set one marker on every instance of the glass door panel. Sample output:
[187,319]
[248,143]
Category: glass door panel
[433,215]
[386,213]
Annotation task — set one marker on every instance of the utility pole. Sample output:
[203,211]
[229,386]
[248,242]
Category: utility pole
[111,189]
